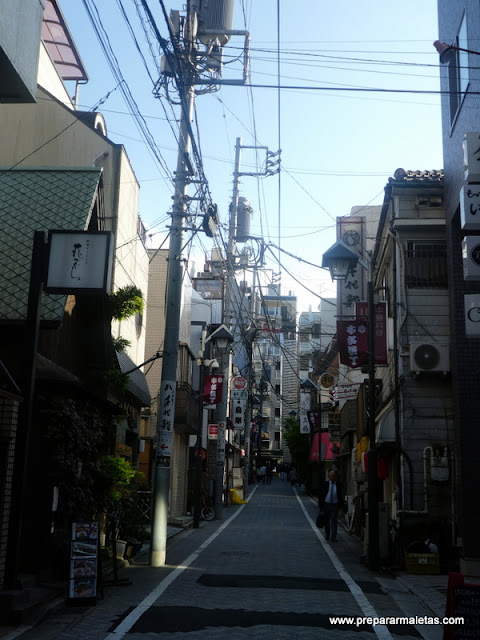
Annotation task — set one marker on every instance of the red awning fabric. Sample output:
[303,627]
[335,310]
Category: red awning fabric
[321,448]
[314,455]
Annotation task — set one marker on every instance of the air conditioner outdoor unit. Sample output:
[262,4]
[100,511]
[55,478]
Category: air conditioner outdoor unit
[429,357]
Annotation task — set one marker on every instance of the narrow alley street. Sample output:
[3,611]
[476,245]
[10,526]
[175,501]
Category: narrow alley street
[265,570]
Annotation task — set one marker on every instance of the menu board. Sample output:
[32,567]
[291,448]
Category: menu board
[463,600]
[84,560]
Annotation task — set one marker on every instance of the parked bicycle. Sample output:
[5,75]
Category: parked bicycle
[207,512]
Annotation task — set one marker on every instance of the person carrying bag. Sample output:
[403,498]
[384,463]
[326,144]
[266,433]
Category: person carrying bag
[330,500]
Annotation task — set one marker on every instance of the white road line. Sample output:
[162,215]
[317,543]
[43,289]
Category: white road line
[381,631]
[126,624]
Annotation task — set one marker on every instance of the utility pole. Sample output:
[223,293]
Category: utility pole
[166,406]
[185,65]
[271,168]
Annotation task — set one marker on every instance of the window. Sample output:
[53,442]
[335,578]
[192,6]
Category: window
[426,265]
[458,71]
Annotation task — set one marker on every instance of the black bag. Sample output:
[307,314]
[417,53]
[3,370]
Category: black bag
[320,521]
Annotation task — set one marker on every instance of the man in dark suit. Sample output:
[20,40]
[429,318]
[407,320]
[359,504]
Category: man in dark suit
[331,499]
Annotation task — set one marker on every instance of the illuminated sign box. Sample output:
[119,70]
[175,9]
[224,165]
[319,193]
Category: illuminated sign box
[471,257]
[79,262]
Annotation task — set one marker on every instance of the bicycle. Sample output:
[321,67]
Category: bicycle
[206,512]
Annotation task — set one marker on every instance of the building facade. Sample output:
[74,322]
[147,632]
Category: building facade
[459,26]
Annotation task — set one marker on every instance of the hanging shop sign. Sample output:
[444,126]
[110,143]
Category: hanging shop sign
[79,261]
[305,405]
[472,314]
[471,257]
[238,412]
[470,207]
[471,157]
[379,328]
[327,380]
[213,389]
[353,342]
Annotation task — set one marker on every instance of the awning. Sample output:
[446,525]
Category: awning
[321,448]
[60,45]
[137,383]
[386,427]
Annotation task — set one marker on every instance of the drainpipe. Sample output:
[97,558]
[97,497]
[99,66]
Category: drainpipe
[425,487]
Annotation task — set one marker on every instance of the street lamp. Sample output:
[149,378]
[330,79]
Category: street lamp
[341,260]
[447,51]
[221,339]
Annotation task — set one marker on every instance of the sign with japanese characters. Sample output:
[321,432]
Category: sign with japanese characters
[471,257]
[353,342]
[238,412]
[347,391]
[212,431]
[351,290]
[470,207]
[379,328]
[305,405]
[166,419]
[313,419]
[471,157]
[213,389]
[79,261]
[327,380]
[222,429]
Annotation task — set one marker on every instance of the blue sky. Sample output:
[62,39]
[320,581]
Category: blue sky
[338,146]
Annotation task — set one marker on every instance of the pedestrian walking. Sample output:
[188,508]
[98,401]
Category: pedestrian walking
[269,473]
[330,500]
[263,473]
[293,477]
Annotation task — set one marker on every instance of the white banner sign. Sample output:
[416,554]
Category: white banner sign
[305,404]
[166,419]
[345,391]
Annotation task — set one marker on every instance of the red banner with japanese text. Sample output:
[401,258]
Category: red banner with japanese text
[212,389]
[352,338]
[379,327]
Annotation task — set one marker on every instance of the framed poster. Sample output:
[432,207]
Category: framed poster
[84,564]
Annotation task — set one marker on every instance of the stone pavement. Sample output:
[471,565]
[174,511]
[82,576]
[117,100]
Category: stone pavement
[265,572]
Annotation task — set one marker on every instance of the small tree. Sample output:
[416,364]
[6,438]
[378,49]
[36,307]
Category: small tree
[298,444]
[126,302]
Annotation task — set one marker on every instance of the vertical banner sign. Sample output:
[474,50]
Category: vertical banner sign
[379,328]
[213,389]
[166,420]
[313,419]
[222,427]
[351,290]
[305,403]
[352,342]
[238,406]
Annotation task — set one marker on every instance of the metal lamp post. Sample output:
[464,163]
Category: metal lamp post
[222,339]
[340,260]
